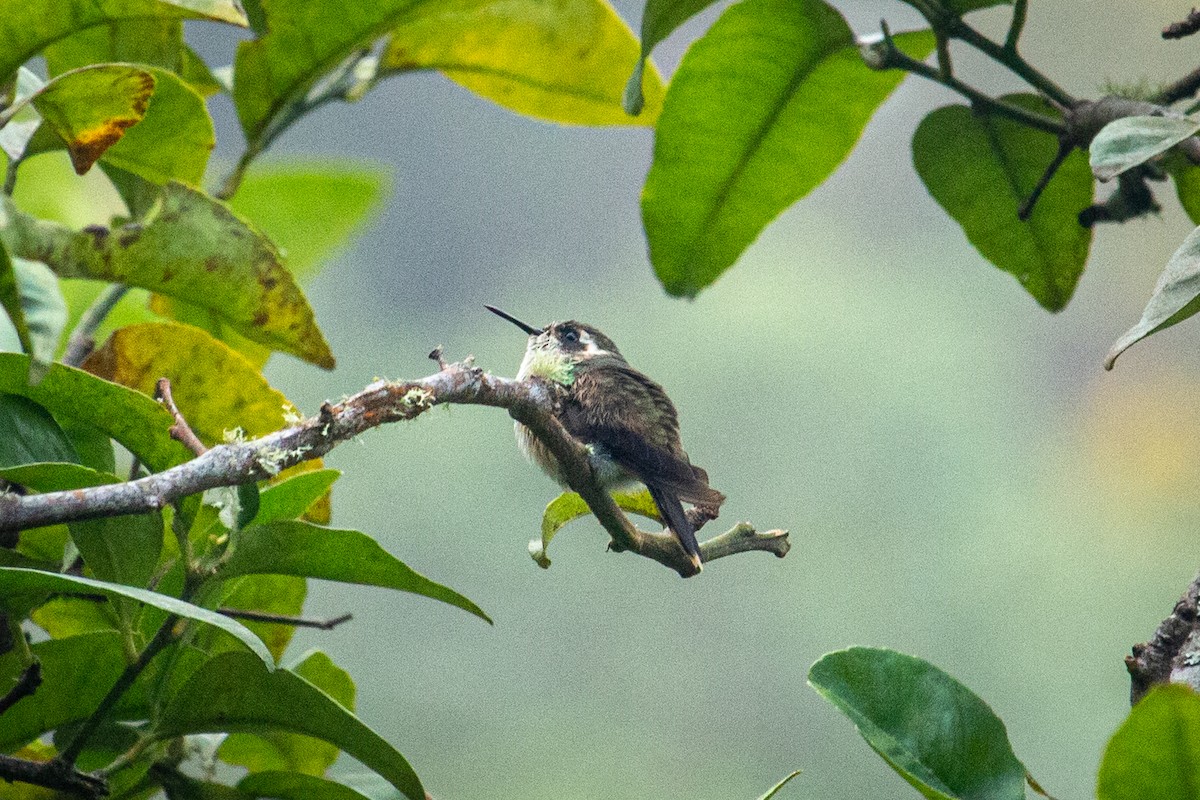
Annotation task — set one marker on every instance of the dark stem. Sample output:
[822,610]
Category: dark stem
[1065,147]
[1178,30]
[1182,89]
[892,57]
[52,775]
[82,340]
[957,29]
[1020,9]
[10,176]
[161,639]
[28,683]
[282,619]
[180,431]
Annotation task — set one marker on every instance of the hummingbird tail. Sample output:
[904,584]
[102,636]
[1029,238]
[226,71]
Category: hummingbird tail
[671,510]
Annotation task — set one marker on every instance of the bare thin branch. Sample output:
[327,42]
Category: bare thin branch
[282,619]
[1182,89]
[180,431]
[530,402]
[1178,30]
[83,338]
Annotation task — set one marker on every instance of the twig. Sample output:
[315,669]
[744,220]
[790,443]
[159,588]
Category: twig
[1178,30]
[530,402]
[282,619]
[180,431]
[957,29]
[1173,653]
[889,56]
[1020,9]
[82,340]
[1182,89]
[1065,147]
[52,775]
[10,176]
[28,683]
[161,639]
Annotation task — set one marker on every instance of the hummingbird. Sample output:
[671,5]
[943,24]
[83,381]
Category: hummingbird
[625,419]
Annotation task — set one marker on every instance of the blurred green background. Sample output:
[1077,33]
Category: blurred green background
[962,480]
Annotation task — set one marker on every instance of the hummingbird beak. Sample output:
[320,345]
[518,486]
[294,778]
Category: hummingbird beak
[532,331]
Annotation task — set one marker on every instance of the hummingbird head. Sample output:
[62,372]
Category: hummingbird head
[555,350]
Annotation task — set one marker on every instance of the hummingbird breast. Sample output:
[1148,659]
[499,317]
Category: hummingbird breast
[609,474]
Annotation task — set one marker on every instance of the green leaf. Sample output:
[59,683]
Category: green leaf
[1187,186]
[1156,751]
[746,130]
[76,674]
[298,548]
[55,476]
[63,617]
[290,498]
[29,434]
[90,108]
[296,786]
[32,26]
[196,72]
[1125,143]
[310,210]
[194,248]
[565,61]
[774,790]
[234,692]
[980,169]
[659,20]
[290,752]
[303,41]
[174,140]
[15,581]
[74,396]
[570,506]
[935,732]
[45,312]
[1176,297]
[155,41]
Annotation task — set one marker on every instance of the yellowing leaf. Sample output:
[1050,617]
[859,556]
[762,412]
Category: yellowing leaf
[565,61]
[90,108]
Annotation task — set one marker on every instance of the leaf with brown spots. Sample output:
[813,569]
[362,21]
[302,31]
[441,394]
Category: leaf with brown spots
[216,388]
[90,108]
[190,247]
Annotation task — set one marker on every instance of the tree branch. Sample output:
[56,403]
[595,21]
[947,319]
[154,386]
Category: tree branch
[52,775]
[180,431]
[1173,654]
[530,402]
[1182,89]
[28,683]
[1178,30]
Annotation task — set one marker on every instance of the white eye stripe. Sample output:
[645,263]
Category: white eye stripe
[585,337]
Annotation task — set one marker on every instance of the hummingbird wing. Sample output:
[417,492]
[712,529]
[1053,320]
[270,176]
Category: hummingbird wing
[671,511]
[627,414]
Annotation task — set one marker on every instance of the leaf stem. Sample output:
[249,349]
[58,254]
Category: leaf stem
[161,639]
[892,57]
[83,340]
[1009,57]
[1020,9]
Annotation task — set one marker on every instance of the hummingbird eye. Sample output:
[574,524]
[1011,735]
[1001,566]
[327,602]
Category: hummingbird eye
[570,336]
